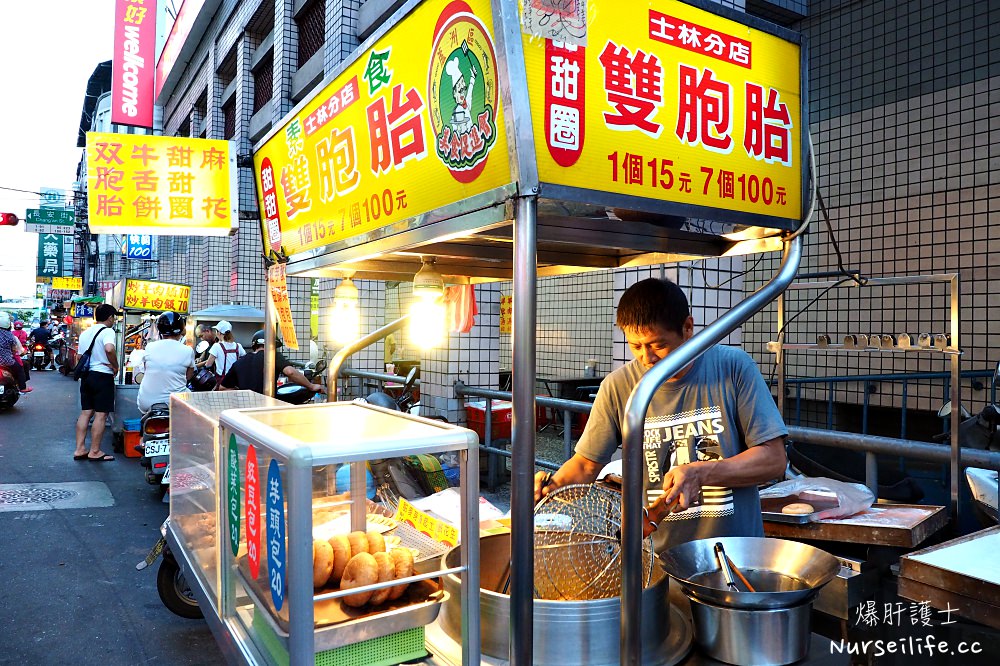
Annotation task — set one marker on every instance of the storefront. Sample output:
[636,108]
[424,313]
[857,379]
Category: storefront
[465,145]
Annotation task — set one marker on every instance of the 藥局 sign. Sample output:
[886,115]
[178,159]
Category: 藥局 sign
[412,125]
[671,103]
[160,185]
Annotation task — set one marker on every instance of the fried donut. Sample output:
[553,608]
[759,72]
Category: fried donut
[376,542]
[798,509]
[322,562]
[359,542]
[386,569]
[402,560]
[361,570]
[341,555]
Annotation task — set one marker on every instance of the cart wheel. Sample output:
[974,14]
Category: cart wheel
[174,591]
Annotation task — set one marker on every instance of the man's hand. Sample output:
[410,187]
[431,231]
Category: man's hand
[318,388]
[683,485]
[575,470]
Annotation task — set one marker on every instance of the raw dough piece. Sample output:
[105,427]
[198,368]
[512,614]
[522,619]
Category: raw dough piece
[798,509]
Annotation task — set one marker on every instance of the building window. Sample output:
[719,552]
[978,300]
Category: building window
[312,30]
[229,119]
[263,84]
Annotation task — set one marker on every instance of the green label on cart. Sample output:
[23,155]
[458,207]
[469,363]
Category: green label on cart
[234,495]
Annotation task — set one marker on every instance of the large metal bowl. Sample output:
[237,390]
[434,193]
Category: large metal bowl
[785,573]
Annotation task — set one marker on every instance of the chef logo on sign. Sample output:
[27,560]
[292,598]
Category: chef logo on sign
[462,92]
[669,441]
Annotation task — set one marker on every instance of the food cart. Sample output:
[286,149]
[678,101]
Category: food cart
[141,301]
[506,144]
[245,320]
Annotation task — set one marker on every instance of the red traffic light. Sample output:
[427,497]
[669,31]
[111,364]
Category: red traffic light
[8,220]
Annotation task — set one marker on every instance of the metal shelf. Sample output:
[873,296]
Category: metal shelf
[774,347]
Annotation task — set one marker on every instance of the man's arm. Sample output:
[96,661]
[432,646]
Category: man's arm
[293,374]
[109,349]
[575,470]
[756,465]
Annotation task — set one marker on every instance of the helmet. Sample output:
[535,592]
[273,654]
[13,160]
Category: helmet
[170,323]
[4,320]
[203,380]
[260,337]
[18,325]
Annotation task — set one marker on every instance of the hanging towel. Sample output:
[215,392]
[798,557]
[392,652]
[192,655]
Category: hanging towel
[461,310]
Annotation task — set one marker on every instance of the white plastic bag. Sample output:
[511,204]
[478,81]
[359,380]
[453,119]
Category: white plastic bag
[851,498]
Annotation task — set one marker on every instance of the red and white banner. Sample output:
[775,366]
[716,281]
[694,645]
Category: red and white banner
[134,66]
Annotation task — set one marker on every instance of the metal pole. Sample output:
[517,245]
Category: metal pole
[635,416]
[270,381]
[333,372]
[956,400]
[522,473]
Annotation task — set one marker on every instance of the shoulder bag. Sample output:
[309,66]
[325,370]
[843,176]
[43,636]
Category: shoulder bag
[82,368]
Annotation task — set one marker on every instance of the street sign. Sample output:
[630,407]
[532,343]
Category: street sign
[51,197]
[50,220]
[50,255]
[71,283]
[139,246]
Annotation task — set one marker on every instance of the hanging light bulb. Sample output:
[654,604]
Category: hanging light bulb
[345,318]
[427,314]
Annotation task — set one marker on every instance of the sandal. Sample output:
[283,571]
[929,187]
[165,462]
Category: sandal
[82,456]
[105,457]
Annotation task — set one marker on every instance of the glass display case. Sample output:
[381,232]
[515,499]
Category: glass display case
[278,503]
[195,466]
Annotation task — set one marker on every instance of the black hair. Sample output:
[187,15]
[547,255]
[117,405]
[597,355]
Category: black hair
[653,302]
[104,311]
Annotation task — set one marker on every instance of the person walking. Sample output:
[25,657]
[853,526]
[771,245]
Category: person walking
[97,388]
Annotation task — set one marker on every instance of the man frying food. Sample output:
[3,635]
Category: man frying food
[712,431]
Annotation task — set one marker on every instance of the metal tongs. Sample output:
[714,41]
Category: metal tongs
[728,568]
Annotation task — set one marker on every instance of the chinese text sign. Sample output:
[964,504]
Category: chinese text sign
[156,296]
[50,255]
[133,66]
[160,185]
[672,104]
[412,125]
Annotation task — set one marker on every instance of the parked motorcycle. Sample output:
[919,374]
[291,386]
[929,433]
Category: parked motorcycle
[155,445]
[403,401]
[174,591]
[9,393]
[58,344]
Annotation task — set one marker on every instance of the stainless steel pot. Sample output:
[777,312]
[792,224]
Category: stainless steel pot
[565,632]
[784,573]
[761,637]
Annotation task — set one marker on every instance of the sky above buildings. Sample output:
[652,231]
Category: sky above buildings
[49,50]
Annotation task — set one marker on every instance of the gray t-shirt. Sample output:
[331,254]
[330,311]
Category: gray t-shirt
[719,408]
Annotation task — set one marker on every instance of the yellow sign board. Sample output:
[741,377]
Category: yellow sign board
[436,529]
[671,103]
[506,313]
[278,285]
[411,126]
[156,296]
[70,283]
[160,185]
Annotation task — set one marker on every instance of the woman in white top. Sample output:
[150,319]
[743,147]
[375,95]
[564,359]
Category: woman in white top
[226,351]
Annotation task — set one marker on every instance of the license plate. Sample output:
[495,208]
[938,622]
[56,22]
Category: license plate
[39,353]
[161,448]
[166,476]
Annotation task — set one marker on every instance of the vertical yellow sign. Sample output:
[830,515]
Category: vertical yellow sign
[278,285]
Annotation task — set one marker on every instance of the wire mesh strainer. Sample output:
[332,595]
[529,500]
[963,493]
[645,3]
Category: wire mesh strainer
[578,544]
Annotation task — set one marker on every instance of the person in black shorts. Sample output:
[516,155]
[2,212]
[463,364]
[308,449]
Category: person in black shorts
[247,372]
[97,388]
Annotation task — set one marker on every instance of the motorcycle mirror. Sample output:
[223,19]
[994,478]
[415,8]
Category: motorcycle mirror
[411,377]
[320,366]
[945,411]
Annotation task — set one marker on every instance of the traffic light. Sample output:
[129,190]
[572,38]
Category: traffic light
[8,220]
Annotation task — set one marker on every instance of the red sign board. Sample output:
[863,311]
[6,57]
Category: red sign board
[134,66]
[251,511]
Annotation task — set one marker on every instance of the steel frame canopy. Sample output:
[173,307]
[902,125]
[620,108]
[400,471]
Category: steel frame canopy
[506,154]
